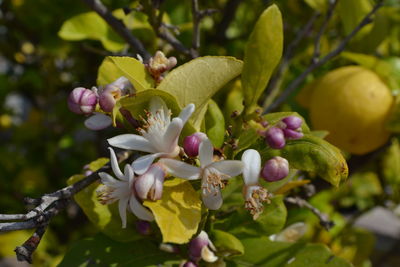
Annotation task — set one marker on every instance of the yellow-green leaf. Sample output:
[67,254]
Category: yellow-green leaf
[262,54]
[114,67]
[319,5]
[215,124]
[352,12]
[198,80]
[178,213]
[313,154]
[226,243]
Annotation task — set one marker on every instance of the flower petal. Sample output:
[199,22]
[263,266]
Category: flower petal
[132,142]
[228,167]
[252,166]
[122,205]
[186,113]
[98,121]
[108,180]
[207,255]
[171,135]
[206,151]
[180,169]
[142,164]
[115,166]
[140,211]
[157,104]
[144,183]
[213,199]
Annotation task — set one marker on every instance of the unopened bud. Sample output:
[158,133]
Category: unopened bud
[275,169]
[275,138]
[189,264]
[160,64]
[292,122]
[82,101]
[192,142]
[150,184]
[143,227]
[292,134]
[201,248]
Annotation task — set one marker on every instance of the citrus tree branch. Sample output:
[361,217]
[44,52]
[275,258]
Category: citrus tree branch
[318,63]
[119,27]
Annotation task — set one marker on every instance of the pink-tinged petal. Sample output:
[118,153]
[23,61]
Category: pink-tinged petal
[139,210]
[143,184]
[186,113]
[206,152]
[122,205]
[171,135]
[115,166]
[252,166]
[132,142]
[228,167]
[213,199]
[98,121]
[180,169]
[142,164]
[158,186]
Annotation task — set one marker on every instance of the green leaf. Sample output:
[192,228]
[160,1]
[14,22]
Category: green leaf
[313,154]
[391,163]
[262,54]
[271,221]
[393,120]
[114,67]
[234,101]
[215,124]
[198,80]
[352,12]
[263,252]
[319,5]
[178,213]
[274,118]
[105,217]
[102,251]
[98,163]
[138,103]
[226,244]
[247,137]
[91,26]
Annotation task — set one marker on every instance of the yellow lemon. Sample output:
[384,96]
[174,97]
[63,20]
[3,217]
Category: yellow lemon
[352,103]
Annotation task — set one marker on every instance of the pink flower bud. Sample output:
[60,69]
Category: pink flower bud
[275,169]
[143,227]
[82,101]
[201,247]
[108,97]
[192,142]
[292,134]
[292,122]
[150,184]
[275,138]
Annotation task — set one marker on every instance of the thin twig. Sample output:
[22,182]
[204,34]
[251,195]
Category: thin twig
[273,85]
[323,218]
[196,25]
[295,83]
[317,41]
[118,26]
[227,17]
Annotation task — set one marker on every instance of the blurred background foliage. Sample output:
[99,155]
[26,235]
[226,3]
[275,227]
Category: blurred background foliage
[43,57]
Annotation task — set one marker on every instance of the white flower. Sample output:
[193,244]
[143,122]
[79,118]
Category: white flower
[159,136]
[213,175]
[254,194]
[121,189]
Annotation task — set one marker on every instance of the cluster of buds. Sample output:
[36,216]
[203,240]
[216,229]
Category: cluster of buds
[158,64]
[84,101]
[287,128]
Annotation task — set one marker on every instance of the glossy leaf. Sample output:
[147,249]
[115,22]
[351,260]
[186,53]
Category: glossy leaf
[271,221]
[102,251]
[263,252]
[114,67]
[262,54]
[226,243]
[313,154]
[215,124]
[198,80]
[351,13]
[178,213]
[91,26]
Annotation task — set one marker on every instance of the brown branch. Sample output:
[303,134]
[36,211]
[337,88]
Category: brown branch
[227,17]
[118,26]
[323,218]
[316,64]
[47,207]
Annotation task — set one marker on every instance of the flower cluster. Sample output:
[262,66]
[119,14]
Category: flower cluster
[87,101]
[288,128]
[158,138]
